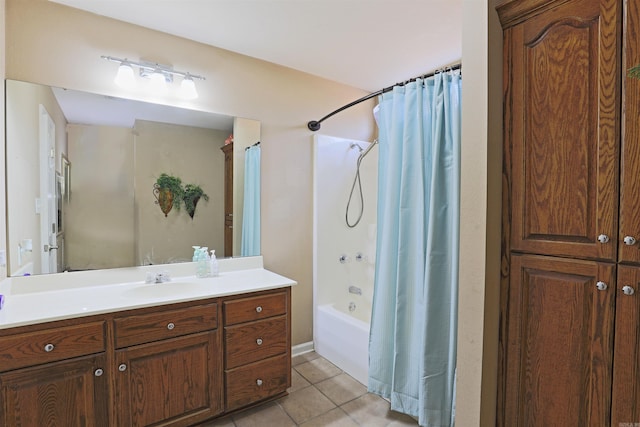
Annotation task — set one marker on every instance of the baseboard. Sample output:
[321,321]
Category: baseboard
[299,349]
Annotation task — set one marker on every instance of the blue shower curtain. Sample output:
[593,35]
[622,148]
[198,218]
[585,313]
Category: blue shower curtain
[412,345]
[251,206]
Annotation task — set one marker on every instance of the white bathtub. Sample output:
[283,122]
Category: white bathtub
[343,340]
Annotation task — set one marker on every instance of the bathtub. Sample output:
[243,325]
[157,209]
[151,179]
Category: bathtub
[343,339]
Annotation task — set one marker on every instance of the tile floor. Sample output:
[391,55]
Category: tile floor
[320,395]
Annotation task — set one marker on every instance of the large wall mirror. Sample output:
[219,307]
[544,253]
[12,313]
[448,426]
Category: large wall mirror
[81,170]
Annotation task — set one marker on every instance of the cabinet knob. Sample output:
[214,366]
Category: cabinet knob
[259,309]
[98,372]
[49,348]
[601,286]
[603,238]
[629,240]
[122,367]
[628,290]
[170,326]
[258,382]
[259,341]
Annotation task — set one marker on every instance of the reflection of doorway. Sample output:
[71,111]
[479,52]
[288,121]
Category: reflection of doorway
[46,204]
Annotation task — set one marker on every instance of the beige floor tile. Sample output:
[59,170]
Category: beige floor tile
[297,382]
[305,357]
[223,422]
[267,415]
[318,370]
[334,418]
[305,404]
[373,411]
[341,389]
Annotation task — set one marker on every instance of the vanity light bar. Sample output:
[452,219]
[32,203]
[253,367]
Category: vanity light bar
[148,68]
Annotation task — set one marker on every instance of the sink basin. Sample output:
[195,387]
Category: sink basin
[166,289]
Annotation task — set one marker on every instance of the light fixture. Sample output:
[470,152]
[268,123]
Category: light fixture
[125,77]
[160,77]
[188,88]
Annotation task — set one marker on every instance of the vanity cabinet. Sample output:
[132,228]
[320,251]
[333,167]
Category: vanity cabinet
[257,357]
[168,366]
[54,375]
[171,365]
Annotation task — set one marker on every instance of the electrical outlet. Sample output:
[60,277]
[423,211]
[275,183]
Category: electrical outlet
[3,258]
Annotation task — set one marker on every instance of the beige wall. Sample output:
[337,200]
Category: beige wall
[480,214]
[54,45]
[194,156]
[99,221]
[3,210]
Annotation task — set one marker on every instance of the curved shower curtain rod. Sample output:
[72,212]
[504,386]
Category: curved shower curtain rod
[314,125]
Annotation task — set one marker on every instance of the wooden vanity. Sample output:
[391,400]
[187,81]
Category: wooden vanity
[175,364]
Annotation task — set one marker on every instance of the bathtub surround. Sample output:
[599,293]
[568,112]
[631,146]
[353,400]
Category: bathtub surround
[343,255]
[412,350]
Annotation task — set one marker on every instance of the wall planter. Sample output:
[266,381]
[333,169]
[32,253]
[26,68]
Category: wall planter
[168,192]
[192,194]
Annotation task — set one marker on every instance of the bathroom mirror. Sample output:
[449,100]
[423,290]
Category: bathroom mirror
[94,159]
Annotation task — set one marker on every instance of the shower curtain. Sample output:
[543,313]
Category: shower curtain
[251,205]
[412,345]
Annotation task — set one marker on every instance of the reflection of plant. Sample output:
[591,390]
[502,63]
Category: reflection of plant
[635,72]
[193,193]
[168,189]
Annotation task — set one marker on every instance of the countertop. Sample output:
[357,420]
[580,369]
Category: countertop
[44,300]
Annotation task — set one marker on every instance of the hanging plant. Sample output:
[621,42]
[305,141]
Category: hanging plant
[635,72]
[168,192]
[191,196]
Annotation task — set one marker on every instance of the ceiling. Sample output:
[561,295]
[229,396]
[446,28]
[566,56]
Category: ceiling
[368,44]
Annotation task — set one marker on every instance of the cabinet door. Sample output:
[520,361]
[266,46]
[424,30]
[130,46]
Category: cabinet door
[178,381]
[559,342]
[629,177]
[626,366]
[68,393]
[562,130]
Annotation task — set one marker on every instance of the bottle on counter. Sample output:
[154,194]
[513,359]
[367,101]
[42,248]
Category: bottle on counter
[214,269]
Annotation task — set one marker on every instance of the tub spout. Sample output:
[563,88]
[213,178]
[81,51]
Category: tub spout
[355,290]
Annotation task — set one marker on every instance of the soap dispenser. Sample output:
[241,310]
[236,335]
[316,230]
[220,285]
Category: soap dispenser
[215,271]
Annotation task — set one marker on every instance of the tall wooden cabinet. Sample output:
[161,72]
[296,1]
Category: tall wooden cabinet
[570,317]
[228,199]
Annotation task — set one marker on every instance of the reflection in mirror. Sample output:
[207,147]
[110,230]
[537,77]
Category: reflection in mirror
[81,169]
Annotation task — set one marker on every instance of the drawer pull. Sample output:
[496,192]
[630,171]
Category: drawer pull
[601,286]
[122,367]
[49,348]
[98,372]
[259,309]
[259,341]
[258,382]
[628,290]
[170,326]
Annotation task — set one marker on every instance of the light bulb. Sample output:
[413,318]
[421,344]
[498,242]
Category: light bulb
[158,83]
[188,88]
[125,77]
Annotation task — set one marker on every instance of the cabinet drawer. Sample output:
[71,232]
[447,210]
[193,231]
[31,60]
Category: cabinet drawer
[254,308]
[49,345]
[257,381]
[250,342]
[138,329]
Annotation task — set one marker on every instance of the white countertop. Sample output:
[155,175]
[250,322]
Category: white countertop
[44,298]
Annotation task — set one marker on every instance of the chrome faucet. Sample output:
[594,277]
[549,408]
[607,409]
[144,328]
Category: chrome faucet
[159,277]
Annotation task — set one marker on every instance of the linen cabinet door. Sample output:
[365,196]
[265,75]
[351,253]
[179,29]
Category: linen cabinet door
[629,235]
[559,342]
[562,129]
[626,362]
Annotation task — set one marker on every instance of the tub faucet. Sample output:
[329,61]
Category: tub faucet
[355,290]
